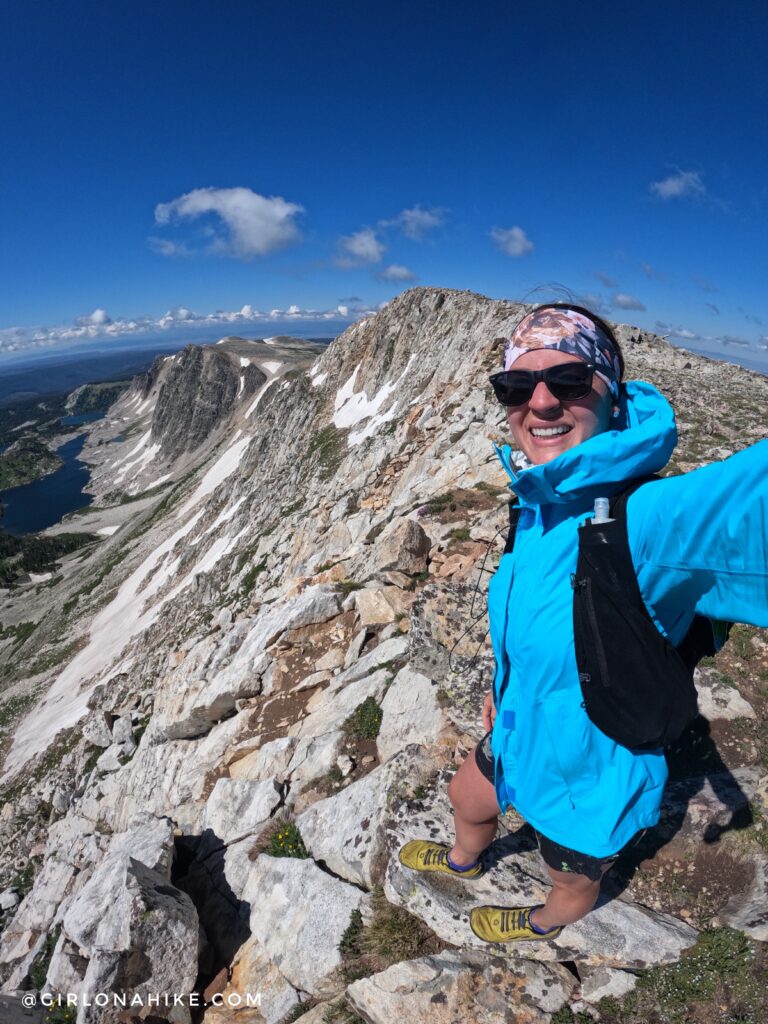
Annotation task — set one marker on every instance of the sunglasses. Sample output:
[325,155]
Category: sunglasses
[567,382]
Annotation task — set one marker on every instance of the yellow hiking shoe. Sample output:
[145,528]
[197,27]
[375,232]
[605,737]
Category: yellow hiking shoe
[424,855]
[505,924]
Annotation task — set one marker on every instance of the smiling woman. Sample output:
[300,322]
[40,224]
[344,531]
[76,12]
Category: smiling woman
[552,399]
[691,548]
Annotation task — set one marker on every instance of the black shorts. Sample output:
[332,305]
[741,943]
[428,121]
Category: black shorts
[555,856]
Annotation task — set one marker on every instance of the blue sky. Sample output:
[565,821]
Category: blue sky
[206,162]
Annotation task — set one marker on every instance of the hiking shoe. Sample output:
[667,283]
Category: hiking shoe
[424,855]
[505,924]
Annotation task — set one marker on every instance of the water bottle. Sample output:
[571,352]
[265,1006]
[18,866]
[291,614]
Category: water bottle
[601,512]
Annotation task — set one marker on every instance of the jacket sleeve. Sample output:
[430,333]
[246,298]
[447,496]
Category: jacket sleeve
[699,543]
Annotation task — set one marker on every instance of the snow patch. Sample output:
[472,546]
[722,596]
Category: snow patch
[259,394]
[353,407]
[156,483]
[136,465]
[222,518]
[224,466]
[107,531]
[318,380]
[243,360]
[272,367]
[113,627]
[40,577]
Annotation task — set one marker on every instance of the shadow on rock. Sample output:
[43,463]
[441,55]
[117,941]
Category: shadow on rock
[702,801]
[199,871]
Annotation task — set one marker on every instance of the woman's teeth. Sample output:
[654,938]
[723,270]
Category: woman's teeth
[549,431]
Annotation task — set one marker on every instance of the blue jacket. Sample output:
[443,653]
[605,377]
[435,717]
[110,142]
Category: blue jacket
[698,543]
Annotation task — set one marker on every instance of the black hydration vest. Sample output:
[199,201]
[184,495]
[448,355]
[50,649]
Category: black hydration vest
[637,687]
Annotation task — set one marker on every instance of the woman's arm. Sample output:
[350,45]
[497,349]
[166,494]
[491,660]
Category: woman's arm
[699,543]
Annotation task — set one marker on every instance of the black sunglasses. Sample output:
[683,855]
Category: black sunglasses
[566,381]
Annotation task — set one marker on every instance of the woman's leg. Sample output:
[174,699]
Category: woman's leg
[572,897]
[475,811]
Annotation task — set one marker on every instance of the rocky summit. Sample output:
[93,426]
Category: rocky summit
[221,722]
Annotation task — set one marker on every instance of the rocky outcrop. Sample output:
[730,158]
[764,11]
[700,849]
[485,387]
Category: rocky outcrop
[196,396]
[290,633]
[469,987]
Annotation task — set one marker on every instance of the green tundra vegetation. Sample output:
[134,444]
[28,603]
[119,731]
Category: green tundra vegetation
[35,553]
[27,460]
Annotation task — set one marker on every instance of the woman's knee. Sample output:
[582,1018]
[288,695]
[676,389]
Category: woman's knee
[572,882]
[472,796]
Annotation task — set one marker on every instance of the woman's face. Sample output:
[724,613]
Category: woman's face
[531,423]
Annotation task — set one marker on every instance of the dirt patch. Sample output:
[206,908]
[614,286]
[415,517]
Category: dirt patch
[693,883]
[445,508]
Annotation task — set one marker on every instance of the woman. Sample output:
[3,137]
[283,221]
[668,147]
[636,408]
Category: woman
[698,546]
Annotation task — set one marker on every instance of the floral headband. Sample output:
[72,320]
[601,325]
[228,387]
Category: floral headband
[565,330]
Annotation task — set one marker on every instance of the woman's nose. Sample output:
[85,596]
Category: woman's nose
[542,398]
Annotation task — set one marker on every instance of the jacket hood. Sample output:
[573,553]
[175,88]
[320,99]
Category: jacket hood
[642,444]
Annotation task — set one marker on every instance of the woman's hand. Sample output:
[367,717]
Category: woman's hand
[489,711]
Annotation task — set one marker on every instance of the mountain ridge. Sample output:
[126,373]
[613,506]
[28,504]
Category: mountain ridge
[317,553]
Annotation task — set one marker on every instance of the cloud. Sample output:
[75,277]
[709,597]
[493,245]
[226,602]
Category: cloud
[609,282]
[98,318]
[670,331]
[512,241]
[164,247]
[86,328]
[358,249]
[416,222]
[394,272]
[713,307]
[683,185]
[730,340]
[624,301]
[249,224]
[594,302]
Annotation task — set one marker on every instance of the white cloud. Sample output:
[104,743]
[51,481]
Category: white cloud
[512,241]
[416,222]
[250,224]
[164,247]
[683,185]
[98,318]
[624,301]
[84,328]
[357,249]
[670,331]
[395,272]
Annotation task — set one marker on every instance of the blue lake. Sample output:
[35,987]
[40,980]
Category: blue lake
[81,417]
[42,503]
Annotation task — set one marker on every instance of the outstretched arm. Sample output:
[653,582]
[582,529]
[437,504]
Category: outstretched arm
[699,542]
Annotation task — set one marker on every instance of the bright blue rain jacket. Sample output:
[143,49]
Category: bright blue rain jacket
[699,544]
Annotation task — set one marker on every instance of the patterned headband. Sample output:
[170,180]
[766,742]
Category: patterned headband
[565,330]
